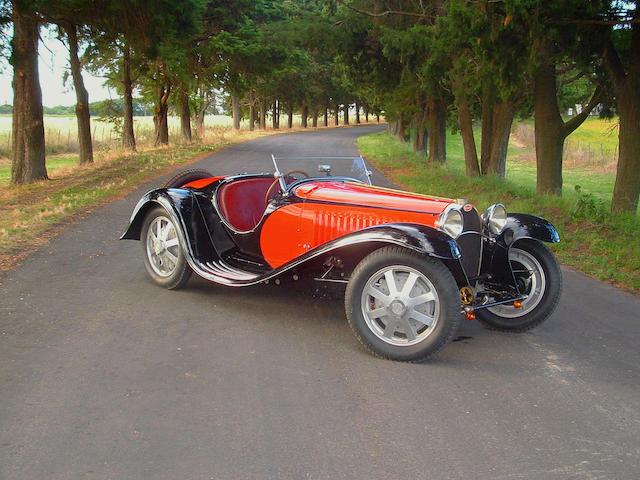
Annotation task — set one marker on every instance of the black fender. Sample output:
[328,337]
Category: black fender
[519,226]
[184,209]
[522,225]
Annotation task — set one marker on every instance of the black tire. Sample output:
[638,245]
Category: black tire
[186,176]
[546,305]
[182,272]
[447,321]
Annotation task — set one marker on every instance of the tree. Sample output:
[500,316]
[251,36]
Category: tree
[82,96]
[28,163]
[621,55]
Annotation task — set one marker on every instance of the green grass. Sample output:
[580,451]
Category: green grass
[605,247]
[54,163]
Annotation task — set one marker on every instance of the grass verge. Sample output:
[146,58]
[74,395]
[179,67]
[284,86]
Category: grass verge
[592,241]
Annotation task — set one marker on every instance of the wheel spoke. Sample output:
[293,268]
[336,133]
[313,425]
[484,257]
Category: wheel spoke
[378,295]
[421,317]
[391,327]
[171,243]
[420,299]
[409,284]
[171,257]
[409,330]
[391,283]
[377,313]
[166,230]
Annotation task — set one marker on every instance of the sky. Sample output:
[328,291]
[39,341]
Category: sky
[53,61]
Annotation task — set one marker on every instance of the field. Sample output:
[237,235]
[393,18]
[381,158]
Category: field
[593,241]
[61,132]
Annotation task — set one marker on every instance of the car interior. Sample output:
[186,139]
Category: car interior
[242,202]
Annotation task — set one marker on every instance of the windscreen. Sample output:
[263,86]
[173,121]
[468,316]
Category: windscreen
[293,169]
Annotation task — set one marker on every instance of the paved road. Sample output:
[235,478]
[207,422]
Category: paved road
[105,376]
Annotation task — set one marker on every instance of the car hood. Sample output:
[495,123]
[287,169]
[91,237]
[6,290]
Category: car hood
[359,194]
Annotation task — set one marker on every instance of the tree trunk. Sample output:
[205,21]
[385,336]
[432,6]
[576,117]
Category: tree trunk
[501,123]
[336,116]
[627,187]
[487,127]
[346,114]
[401,129]
[276,116]
[235,111]
[304,115]
[326,116]
[314,118]
[200,122]
[548,130]
[357,113]
[82,97]
[160,117]
[290,117]
[627,87]
[263,114]
[185,116]
[28,162]
[465,123]
[437,130]
[128,135]
[378,117]
[252,115]
[419,144]
[366,116]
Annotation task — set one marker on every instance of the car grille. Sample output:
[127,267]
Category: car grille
[470,242]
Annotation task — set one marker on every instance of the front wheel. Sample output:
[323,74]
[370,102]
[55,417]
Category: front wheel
[402,305]
[164,259]
[539,277]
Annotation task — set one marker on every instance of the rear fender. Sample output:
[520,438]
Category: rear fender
[183,208]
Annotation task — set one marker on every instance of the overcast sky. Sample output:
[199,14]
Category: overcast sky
[53,61]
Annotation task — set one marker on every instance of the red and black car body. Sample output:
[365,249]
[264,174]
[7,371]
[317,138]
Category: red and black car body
[246,229]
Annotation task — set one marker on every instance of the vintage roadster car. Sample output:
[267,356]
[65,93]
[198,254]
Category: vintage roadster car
[413,265]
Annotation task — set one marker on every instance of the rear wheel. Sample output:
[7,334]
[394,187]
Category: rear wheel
[186,176]
[402,305]
[164,258]
[539,277]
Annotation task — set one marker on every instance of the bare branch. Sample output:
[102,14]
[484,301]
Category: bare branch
[579,119]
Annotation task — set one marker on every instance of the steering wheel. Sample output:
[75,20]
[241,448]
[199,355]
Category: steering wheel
[276,182]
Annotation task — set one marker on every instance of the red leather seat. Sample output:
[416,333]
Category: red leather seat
[242,202]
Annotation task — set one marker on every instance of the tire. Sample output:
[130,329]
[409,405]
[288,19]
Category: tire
[175,274]
[382,333]
[510,319]
[186,176]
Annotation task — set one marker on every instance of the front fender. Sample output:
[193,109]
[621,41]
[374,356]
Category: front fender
[519,226]
[522,225]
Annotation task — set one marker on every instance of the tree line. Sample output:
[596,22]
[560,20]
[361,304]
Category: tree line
[427,65]
[462,62]
[271,58]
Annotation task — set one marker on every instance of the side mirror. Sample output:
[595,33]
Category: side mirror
[325,169]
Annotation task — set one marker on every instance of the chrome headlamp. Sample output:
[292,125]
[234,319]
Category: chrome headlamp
[495,218]
[450,221]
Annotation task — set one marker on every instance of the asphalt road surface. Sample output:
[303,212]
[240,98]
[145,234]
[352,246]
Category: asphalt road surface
[105,376]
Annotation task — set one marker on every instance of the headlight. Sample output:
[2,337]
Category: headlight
[495,218]
[450,222]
